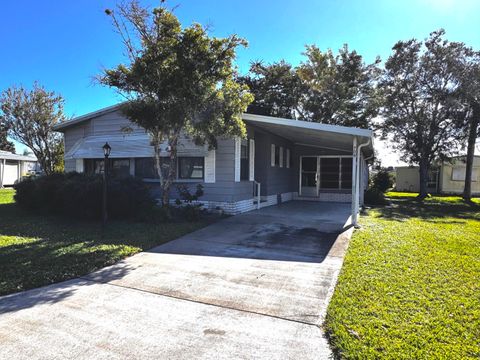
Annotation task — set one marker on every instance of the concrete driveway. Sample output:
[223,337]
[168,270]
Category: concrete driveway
[254,285]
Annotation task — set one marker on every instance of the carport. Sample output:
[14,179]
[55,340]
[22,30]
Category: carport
[332,160]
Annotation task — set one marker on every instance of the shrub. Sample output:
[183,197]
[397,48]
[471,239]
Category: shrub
[374,196]
[80,196]
[189,209]
[382,180]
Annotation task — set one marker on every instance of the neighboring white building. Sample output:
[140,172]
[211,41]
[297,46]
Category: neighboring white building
[447,178]
[14,167]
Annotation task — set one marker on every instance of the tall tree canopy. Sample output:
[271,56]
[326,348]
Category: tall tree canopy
[327,88]
[340,88]
[177,80]
[29,116]
[419,91]
[5,145]
[277,90]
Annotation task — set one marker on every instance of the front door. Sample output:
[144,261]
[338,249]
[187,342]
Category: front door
[309,176]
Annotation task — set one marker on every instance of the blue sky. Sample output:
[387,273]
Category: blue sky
[64,44]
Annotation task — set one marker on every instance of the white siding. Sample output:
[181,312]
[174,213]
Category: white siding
[252,160]
[272,155]
[210,167]
[238,147]
[79,165]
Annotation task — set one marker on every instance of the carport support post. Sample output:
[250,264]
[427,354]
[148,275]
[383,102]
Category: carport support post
[354,182]
[2,168]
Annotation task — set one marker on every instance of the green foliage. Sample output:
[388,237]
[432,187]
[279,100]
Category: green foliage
[5,145]
[419,100]
[29,117]
[187,202]
[409,285]
[80,196]
[382,180]
[277,89]
[40,250]
[375,196]
[178,80]
[341,88]
[327,88]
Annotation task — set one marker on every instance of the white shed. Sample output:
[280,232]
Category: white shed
[14,167]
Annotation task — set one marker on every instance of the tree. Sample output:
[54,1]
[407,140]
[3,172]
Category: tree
[469,77]
[29,116]
[340,88]
[277,90]
[419,90]
[177,80]
[5,145]
[327,88]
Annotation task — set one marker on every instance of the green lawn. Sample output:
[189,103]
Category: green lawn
[410,284]
[36,251]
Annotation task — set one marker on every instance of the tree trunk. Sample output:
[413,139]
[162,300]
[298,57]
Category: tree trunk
[172,170]
[472,137]
[423,179]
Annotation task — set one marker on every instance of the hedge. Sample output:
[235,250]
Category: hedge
[80,196]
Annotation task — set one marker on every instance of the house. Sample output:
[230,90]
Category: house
[14,167]
[281,159]
[448,177]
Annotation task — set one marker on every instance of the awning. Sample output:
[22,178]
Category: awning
[127,146]
[333,137]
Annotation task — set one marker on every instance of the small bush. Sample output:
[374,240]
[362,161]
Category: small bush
[189,209]
[80,196]
[382,180]
[374,196]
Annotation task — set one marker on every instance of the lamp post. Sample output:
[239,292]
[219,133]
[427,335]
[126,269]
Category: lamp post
[106,153]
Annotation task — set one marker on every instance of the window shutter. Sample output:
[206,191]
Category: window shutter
[281,156]
[238,148]
[288,159]
[251,155]
[79,165]
[210,167]
[272,162]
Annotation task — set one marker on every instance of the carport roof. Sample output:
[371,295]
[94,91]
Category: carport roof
[325,136]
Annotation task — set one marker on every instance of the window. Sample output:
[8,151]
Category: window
[336,173]
[244,160]
[288,159]
[458,174]
[117,167]
[346,173]
[329,173]
[277,155]
[281,157]
[145,167]
[190,167]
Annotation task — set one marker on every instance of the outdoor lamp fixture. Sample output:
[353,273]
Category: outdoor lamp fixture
[106,152]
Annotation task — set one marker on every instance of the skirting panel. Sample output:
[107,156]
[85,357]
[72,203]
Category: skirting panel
[238,207]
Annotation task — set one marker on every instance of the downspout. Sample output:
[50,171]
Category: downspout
[356,200]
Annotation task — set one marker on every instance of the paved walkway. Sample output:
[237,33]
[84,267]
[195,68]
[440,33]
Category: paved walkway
[251,286]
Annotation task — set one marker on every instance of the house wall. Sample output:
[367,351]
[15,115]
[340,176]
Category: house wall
[450,186]
[224,189]
[278,183]
[407,179]
[274,180]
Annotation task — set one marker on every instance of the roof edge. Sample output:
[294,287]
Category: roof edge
[309,125]
[85,117]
